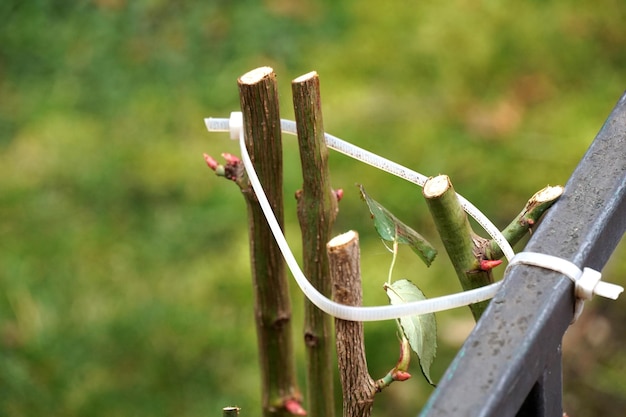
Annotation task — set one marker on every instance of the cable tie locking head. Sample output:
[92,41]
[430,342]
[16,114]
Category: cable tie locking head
[586,284]
[584,289]
[234,125]
[590,283]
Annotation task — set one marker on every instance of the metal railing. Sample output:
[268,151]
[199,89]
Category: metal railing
[511,363]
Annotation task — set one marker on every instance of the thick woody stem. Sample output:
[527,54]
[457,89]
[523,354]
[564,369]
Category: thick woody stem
[357,385]
[259,104]
[317,210]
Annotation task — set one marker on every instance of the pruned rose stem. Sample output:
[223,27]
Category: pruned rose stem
[536,206]
[317,210]
[272,305]
[461,243]
[474,257]
[357,386]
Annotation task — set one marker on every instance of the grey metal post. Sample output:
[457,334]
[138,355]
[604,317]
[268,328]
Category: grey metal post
[510,364]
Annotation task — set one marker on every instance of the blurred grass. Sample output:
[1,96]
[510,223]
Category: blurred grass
[123,261]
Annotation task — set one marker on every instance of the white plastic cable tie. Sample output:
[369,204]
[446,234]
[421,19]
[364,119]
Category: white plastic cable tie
[587,282]
[376,313]
[234,125]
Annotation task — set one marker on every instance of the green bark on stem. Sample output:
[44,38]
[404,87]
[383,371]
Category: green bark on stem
[272,308]
[541,201]
[461,243]
[317,210]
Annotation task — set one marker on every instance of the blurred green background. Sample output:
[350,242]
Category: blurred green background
[124,276]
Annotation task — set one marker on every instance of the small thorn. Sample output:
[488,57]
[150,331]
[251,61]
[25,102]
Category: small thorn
[487,265]
[339,194]
[294,407]
[210,161]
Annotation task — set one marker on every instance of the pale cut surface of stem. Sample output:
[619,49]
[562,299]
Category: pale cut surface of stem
[230,411]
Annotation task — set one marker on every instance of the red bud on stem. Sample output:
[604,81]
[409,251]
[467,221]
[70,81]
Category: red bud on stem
[210,161]
[486,265]
[294,407]
[338,194]
[401,376]
[231,159]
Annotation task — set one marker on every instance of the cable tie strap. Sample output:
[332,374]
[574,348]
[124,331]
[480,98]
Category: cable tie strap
[587,282]
[234,125]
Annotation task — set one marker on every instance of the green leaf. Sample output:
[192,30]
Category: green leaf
[391,229]
[420,330]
